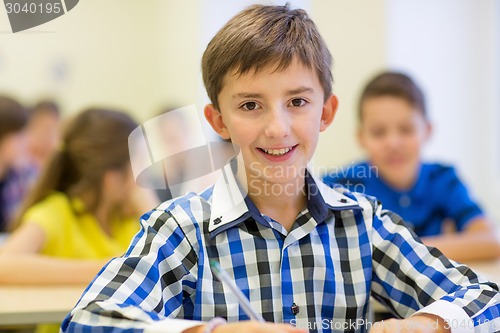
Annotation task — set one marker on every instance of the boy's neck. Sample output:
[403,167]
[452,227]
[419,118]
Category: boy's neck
[402,183]
[281,205]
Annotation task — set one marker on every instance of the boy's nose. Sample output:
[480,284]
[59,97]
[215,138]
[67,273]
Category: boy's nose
[394,140]
[277,123]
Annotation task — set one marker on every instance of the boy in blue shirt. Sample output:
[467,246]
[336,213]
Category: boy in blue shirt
[302,253]
[393,127]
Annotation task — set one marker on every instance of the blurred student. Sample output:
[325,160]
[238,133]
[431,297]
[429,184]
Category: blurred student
[83,210]
[14,181]
[43,132]
[431,198]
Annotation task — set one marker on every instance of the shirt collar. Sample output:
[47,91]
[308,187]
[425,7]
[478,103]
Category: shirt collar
[230,205]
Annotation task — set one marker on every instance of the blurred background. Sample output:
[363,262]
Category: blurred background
[141,56]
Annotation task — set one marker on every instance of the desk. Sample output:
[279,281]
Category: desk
[26,305]
[490,269]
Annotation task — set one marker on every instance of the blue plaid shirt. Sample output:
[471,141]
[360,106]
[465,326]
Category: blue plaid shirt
[342,248]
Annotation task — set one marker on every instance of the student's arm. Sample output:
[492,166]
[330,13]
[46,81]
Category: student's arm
[132,290]
[148,286]
[478,241]
[475,238]
[413,280]
[22,264]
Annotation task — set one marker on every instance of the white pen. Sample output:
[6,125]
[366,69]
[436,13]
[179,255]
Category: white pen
[226,281]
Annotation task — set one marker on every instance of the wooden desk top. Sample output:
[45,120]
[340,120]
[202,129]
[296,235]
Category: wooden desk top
[26,305]
[490,269]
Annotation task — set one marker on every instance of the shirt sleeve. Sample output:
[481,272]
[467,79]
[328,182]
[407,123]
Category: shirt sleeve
[48,218]
[459,204]
[409,276]
[149,284]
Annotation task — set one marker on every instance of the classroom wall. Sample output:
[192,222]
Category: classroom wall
[355,34]
[118,53]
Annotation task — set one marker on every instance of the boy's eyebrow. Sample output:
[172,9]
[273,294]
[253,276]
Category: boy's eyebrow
[246,95]
[299,90]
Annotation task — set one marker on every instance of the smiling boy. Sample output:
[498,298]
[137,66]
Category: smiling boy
[300,251]
[393,129]
[274,117]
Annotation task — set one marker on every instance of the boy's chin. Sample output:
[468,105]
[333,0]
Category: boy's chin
[275,187]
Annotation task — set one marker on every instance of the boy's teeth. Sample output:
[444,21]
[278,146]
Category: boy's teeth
[277,152]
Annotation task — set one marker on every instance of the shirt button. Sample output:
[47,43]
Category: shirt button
[295,309]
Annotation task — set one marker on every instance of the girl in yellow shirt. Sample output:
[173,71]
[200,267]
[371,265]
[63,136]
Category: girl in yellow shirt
[83,210]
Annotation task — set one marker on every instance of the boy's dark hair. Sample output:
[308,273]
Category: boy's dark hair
[13,116]
[396,85]
[265,35]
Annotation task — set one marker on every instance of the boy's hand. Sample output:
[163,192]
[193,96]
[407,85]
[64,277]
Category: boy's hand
[422,323]
[250,327]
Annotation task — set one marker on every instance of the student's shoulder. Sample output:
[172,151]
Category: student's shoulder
[367,203]
[439,171]
[349,171]
[187,212]
[53,213]
[354,177]
[54,203]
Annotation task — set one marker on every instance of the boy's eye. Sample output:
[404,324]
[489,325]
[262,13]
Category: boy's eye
[407,130]
[377,132]
[298,102]
[249,106]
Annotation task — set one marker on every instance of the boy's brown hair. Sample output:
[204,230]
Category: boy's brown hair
[396,85]
[265,35]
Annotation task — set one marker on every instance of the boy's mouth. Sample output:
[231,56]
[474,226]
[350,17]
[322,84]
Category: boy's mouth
[277,151]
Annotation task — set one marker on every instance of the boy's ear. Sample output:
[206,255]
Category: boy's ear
[428,131]
[329,111]
[360,136]
[214,117]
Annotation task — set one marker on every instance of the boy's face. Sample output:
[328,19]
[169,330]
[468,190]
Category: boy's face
[392,131]
[274,117]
